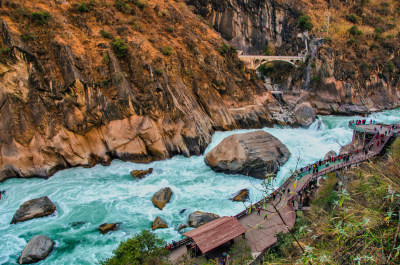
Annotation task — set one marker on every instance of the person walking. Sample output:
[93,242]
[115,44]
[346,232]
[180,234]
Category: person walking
[258,211]
[265,215]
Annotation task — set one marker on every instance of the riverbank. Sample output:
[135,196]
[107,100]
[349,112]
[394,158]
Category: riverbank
[88,197]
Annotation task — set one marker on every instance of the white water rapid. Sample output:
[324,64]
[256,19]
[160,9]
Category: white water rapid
[86,198]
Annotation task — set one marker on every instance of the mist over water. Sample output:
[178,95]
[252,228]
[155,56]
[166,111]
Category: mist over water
[86,198]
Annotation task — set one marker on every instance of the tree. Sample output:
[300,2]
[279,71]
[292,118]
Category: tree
[144,248]
[240,252]
[304,23]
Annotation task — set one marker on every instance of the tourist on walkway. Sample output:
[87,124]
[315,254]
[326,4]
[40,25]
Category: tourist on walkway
[258,211]
[265,215]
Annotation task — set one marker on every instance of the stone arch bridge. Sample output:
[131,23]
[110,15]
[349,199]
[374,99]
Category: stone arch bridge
[255,61]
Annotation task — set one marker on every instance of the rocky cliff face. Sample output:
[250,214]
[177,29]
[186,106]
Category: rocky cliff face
[350,73]
[69,97]
[250,25]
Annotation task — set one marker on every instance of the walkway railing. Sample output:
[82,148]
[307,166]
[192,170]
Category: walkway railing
[354,158]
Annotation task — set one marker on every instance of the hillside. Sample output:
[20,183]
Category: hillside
[354,69]
[87,82]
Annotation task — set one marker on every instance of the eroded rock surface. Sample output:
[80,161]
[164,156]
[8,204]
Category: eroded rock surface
[37,249]
[34,208]
[304,114]
[241,195]
[159,223]
[107,227]
[139,174]
[162,197]
[198,218]
[254,154]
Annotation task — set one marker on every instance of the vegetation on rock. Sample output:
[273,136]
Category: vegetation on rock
[355,218]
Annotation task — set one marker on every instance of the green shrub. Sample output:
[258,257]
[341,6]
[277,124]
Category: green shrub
[5,51]
[122,6]
[106,34]
[355,31]
[41,17]
[105,58]
[120,48]
[83,8]
[378,30]
[104,83]
[141,3]
[28,37]
[352,18]
[143,248]
[373,46]
[389,67]
[138,26]
[352,41]
[390,37]
[171,29]
[159,71]
[227,50]
[167,50]
[269,50]
[315,78]
[304,23]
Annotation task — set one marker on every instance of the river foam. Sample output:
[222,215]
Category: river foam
[86,198]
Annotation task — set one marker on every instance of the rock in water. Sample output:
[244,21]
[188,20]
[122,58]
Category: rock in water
[159,223]
[182,226]
[254,154]
[162,197]
[330,154]
[34,208]
[105,228]
[139,174]
[38,248]
[197,219]
[241,196]
[305,114]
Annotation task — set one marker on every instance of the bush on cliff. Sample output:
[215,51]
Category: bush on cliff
[120,48]
[143,248]
[304,23]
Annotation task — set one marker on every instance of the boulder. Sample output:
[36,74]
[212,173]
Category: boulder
[105,228]
[139,174]
[162,197]
[198,218]
[34,208]
[241,196]
[254,154]
[330,154]
[182,226]
[304,114]
[38,248]
[159,223]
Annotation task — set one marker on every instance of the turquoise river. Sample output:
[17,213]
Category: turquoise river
[88,197]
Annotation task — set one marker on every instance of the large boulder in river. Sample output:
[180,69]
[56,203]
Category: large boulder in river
[198,218]
[241,196]
[254,154]
[162,197]
[105,228]
[34,208]
[38,248]
[159,223]
[304,114]
[139,174]
[330,154]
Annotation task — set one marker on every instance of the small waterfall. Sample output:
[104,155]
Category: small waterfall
[314,46]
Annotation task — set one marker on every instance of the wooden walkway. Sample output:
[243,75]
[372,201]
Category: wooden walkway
[261,232]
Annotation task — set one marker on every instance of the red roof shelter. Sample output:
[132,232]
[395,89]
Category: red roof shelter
[216,233]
